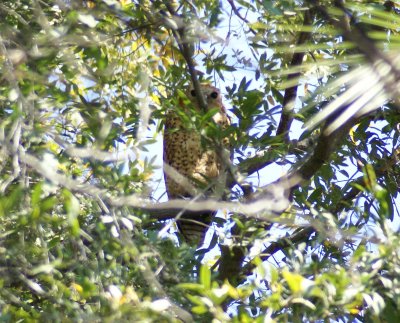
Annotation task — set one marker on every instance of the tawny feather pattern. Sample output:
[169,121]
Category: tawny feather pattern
[196,165]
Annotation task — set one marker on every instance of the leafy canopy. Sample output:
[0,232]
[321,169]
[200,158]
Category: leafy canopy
[308,221]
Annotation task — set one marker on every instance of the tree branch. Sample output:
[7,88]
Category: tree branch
[304,234]
[239,15]
[187,53]
[290,95]
[164,210]
[157,288]
[326,145]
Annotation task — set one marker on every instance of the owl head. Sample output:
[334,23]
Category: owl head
[212,95]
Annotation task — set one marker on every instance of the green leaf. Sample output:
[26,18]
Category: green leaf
[205,277]
[192,287]
[200,309]
[296,282]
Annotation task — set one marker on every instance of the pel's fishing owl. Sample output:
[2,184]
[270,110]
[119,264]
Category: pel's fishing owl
[188,164]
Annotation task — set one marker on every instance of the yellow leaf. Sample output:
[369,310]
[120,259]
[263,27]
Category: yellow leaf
[125,2]
[351,133]
[354,311]
[90,4]
[155,98]
[77,287]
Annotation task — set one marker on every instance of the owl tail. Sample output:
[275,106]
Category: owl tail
[194,227]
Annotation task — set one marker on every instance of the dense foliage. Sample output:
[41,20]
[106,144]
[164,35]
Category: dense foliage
[307,228]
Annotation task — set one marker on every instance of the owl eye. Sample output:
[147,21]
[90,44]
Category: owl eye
[214,95]
[193,93]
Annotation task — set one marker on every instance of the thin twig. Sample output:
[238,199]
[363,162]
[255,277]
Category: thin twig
[239,15]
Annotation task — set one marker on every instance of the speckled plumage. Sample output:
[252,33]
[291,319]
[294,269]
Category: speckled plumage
[183,151]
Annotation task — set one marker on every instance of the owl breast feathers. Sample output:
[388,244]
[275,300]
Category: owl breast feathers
[197,165]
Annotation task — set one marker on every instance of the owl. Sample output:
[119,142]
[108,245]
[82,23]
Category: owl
[188,164]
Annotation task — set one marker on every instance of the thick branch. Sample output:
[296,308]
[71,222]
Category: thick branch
[304,234]
[164,210]
[326,145]
[291,92]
